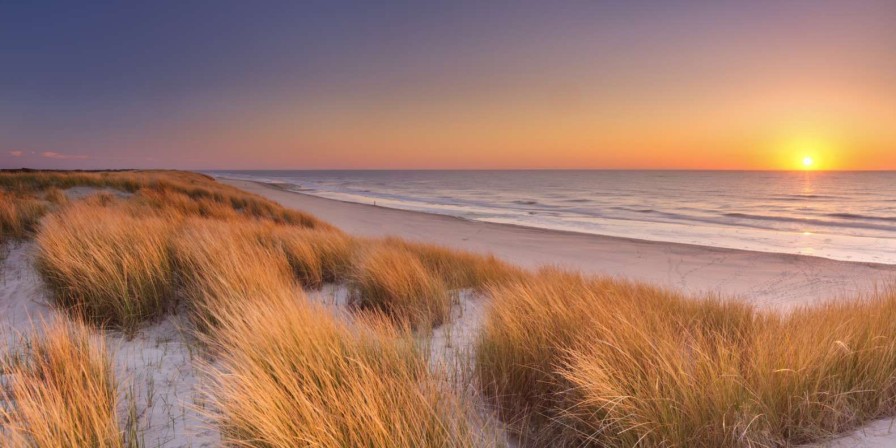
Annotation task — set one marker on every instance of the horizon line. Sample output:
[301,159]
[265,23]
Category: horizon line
[557,169]
[756,170]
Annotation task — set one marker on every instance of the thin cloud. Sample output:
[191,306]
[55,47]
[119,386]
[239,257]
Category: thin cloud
[16,153]
[59,155]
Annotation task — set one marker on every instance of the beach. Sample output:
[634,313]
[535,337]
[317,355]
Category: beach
[778,281]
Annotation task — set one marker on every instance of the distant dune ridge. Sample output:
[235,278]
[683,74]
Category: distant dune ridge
[261,326]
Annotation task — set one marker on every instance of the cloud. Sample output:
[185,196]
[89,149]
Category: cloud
[59,155]
[16,153]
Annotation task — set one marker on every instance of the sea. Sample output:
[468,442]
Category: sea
[848,216]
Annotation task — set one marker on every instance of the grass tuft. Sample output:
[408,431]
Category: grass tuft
[459,269]
[289,374]
[578,361]
[315,256]
[393,281]
[19,214]
[60,391]
[223,265]
[56,196]
[107,266]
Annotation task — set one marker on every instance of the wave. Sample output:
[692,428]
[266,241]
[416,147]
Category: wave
[865,217]
[804,197]
[816,222]
[635,210]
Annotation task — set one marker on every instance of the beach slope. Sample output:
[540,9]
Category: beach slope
[778,281]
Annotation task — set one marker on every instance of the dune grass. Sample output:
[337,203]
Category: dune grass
[393,281]
[213,200]
[315,256]
[106,265]
[289,374]
[60,391]
[55,196]
[109,260]
[19,214]
[457,268]
[189,194]
[223,265]
[593,362]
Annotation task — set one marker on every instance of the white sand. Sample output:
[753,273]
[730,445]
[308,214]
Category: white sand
[878,434]
[156,366]
[23,306]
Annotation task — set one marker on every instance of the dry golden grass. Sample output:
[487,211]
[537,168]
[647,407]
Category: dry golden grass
[109,260]
[19,214]
[393,281]
[60,391]
[315,256]
[237,266]
[55,196]
[106,265]
[41,180]
[212,200]
[605,363]
[289,374]
[189,194]
[223,265]
[459,269]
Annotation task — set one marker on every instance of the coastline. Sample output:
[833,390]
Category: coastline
[790,213]
[772,280]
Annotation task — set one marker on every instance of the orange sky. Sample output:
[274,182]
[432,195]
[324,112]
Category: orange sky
[694,86]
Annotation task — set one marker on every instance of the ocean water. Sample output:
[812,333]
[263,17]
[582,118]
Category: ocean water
[839,215]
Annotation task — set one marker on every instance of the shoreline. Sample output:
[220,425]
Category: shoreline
[766,279]
[784,219]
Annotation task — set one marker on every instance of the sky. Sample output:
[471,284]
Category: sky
[456,85]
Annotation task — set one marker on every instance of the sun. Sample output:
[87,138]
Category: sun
[806,152]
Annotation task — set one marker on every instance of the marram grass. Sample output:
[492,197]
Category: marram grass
[106,265]
[589,362]
[59,391]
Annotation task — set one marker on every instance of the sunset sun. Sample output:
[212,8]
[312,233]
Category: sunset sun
[808,162]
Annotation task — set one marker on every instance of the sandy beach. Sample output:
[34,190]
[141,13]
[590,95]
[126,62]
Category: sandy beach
[777,281]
